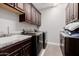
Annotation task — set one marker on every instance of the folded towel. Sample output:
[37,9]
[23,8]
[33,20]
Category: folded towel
[72,26]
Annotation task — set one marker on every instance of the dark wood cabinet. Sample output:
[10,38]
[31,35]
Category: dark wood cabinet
[37,16]
[11,4]
[67,14]
[17,52]
[19,6]
[21,48]
[27,47]
[27,50]
[39,19]
[13,7]
[32,15]
[72,12]
[27,16]
[28,12]
[76,8]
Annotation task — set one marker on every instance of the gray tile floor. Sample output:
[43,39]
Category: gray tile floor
[52,50]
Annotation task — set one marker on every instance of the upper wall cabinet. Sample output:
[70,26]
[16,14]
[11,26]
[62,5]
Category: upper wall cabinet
[32,15]
[67,14]
[71,7]
[28,12]
[27,16]
[19,6]
[13,7]
[72,12]
[38,18]
[11,4]
[76,12]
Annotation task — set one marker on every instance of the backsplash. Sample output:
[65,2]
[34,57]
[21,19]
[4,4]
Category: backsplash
[10,22]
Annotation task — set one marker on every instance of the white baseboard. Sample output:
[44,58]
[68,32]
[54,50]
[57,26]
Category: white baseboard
[52,43]
[43,51]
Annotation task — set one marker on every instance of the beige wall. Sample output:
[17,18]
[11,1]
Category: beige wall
[12,20]
[53,20]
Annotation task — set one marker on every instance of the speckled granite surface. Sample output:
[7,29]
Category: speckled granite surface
[5,41]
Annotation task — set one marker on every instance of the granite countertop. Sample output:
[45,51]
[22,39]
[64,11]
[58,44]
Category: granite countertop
[38,33]
[5,41]
[33,33]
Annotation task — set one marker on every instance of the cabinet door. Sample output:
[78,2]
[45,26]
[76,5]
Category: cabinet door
[20,6]
[16,53]
[71,11]
[36,18]
[27,50]
[33,15]
[11,4]
[28,12]
[67,46]
[39,19]
[75,10]
[67,14]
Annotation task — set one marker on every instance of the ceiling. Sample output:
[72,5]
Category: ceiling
[41,6]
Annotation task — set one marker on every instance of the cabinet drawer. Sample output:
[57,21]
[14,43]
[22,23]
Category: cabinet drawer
[15,46]
[27,50]
[17,52]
